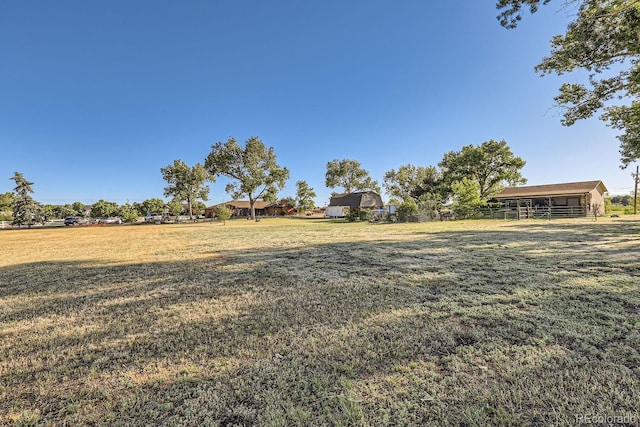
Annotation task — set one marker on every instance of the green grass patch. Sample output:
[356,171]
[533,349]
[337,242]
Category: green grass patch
[320,322]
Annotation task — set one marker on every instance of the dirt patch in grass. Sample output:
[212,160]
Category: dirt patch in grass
[318,322]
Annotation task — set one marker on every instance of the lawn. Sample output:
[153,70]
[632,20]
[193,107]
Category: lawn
[318,322]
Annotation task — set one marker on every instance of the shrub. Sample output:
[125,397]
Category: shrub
[408,211]
[352,216]
[366,215]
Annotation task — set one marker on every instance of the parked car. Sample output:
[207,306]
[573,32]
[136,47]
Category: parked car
[73,220]
[112,221]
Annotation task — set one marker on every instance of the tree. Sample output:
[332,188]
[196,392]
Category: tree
[80,208]
[128,213]
[67,210]
[25,209]
[304,196]
[466,198]
[432,186]
[6,201]
[491,165]
[349,175]
[625,200]
[199,208]
[603,40]
[48,212]
[186,184]
[150,206]
[253,168]
[223,213]
[430,204]
[104,209]
[406,181]
[175,208]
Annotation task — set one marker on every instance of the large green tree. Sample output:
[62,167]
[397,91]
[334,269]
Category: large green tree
[349,175]
[186,184]
[67,210]
[603,40]
[491,165]
[79,208]
[150,206]
[304,196]
[253,169]
[406,181]
[26,211]
[104,209]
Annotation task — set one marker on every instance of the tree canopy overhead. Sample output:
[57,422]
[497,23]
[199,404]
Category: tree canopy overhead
[253,169]
[603,40]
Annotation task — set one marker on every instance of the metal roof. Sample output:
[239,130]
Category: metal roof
[564,189]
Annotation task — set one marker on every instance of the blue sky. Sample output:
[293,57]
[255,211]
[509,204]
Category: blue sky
[96,97]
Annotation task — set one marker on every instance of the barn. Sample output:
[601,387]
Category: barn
[571,199]
[356,201]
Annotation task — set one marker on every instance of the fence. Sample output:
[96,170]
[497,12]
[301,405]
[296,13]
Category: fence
[535,213]
[4,225]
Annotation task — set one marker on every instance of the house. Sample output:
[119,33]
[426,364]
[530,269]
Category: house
[284,207]
[242,208]
[572,199]
[239,208]
[357,201]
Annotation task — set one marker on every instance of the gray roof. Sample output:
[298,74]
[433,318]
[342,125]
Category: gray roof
[362,199]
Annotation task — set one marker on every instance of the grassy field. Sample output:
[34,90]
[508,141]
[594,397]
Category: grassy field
[315,322]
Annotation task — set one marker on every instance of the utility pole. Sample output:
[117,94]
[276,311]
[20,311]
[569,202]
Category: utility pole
[635,191]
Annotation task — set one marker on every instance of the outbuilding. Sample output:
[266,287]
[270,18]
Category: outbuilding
[571,199]
[356,201]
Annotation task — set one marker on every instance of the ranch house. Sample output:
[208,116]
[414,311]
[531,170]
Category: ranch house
[242,208]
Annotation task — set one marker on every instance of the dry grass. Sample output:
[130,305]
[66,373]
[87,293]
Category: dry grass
[305,322]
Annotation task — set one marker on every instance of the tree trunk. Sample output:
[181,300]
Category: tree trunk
[252,207]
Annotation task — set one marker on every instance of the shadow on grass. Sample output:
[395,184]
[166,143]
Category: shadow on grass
[443,328]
